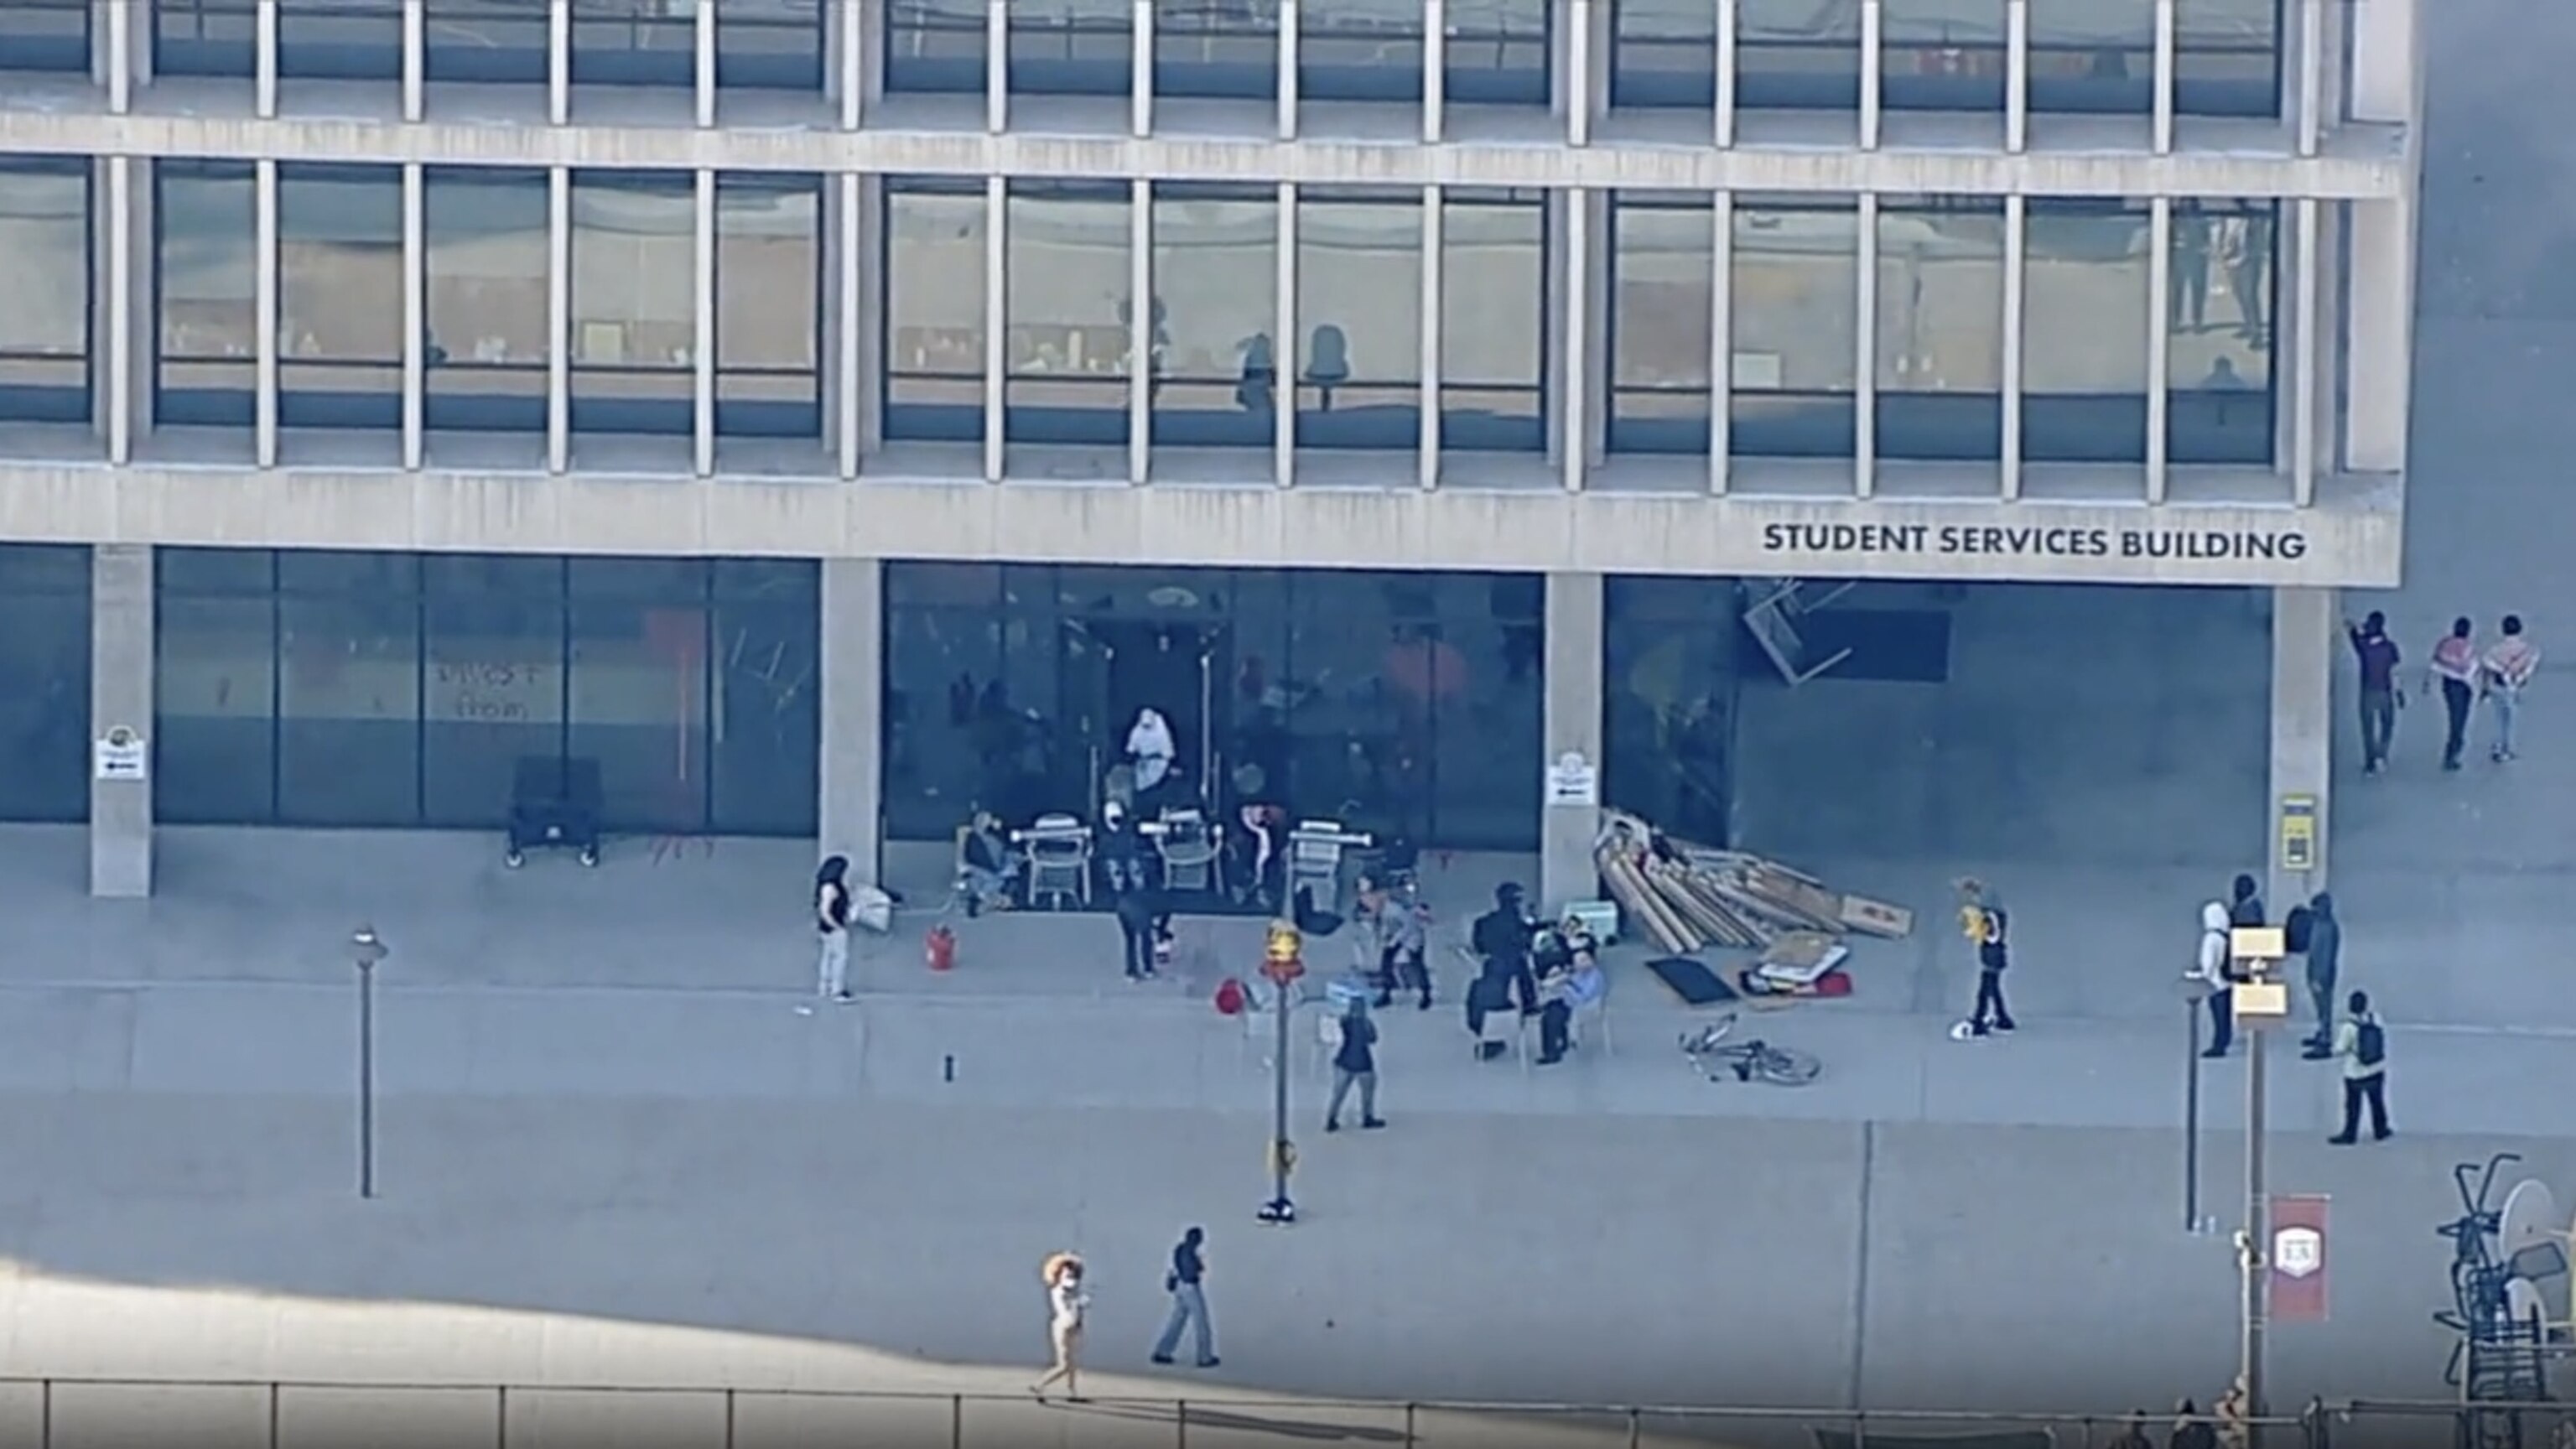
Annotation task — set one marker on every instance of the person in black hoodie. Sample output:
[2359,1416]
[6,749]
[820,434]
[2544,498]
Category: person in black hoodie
[2324,951]
[1139,915]
[1501,939]
[2245,905]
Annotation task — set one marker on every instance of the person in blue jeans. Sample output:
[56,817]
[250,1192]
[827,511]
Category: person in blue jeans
[1188,1286]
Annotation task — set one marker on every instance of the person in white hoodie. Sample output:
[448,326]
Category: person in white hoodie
[1150,750]
[2212,970]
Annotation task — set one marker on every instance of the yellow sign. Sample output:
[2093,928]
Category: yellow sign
[2299,833]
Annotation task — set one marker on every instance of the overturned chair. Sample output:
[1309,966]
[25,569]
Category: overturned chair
[554,803]
[1058,851]
[1188,843]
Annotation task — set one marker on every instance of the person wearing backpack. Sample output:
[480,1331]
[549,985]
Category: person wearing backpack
[2361,1043]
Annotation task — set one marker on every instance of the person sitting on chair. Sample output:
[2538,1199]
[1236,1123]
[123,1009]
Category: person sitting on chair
[984,866]
[1574,983]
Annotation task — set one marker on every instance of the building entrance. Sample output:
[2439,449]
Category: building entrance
[1115,670]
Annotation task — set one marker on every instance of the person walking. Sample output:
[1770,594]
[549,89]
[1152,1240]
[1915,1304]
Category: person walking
[1988,926]
[1186,1282]
[1066,1306]
[832,923]
[2325,963]
[1355,1061]
[2455,669]
[2362,1045]
[2509,664]
[2379,697]
[2214,970]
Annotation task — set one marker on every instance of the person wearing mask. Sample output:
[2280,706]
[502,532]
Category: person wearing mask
[2455,668]
[2325,963]
[1501,939]
[1988,926]
[1067,1306]
[1186,1283]
[2361,1044]
[2215,969]
[1355,1061]
[2379,697]
[1138,912]
[832,924]
[2508,667]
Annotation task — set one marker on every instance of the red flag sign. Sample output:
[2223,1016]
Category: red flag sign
[2299,1258]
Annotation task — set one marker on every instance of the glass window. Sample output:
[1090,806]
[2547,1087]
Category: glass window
[1497,51]
[2219,364]
[934,311]
[44,682]
[1216,48]
[493,694]
[2227,57]
[1216,288]
[622,43]
[951,740]
[1663,53]
[1493,321]
[770,44]
[45,35]
[340,39]
[765,724]
[199,572]
[45,254]
[1797,54]
[487,292]
[214,705]
[205,220]
[1359,319]
[634,302]
[348,707]
[1068,312]
[205,37]
[637,679]
[484,40]
[2094,56]
[2084,332]
[1668,700]
[769,306]
[1940,328]
[1942,55]
[1796,321]
[935,45]
[1072,47]
[340,305]
[1663,258]
[1359,50]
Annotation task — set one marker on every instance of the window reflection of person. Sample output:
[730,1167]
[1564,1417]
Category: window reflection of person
[2249,263]
[1328,363]
[2223,377]
[2189,308]
[1253,393]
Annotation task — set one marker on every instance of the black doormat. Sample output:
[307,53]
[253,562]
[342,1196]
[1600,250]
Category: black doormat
[1892,646]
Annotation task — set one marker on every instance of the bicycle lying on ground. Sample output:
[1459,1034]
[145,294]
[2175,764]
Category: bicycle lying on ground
[1719,1058]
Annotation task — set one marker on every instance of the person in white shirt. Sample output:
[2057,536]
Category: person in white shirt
[2509,664]
[1150,750]
[2211,970]
[1066,1304]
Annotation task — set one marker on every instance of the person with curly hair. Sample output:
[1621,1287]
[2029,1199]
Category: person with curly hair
[1066,1303]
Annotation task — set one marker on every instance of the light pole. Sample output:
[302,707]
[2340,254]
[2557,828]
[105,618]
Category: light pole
[367,951]
[1282,962]
[2261,1003]
[2195,996]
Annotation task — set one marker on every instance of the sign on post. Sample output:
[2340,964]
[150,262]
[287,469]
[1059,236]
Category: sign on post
[2298,833]
[122,754]
[2299,1257]
[1573,781]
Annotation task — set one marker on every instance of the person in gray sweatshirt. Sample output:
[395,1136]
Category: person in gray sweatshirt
[2325,962]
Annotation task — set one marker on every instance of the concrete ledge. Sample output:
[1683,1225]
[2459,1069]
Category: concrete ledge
[2353,540]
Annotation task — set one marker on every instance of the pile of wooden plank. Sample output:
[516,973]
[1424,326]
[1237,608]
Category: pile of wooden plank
[1688,898]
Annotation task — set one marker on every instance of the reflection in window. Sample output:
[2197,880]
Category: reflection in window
[487,349]
[205,37]
[1942,55]
[2227,57]
[1067,314]
[1796,280]
[1497,51]
[634,302]
[484,40]
[44,682]
[316,39]
[934,311]
[1216,48]
[935,45]
[1359,50]
[1663,53]
[1072,47]
[621,43]
[1668,700]
[205,275]
[348,703]
[45,35]
[2219,363]
[1359,319]
[2099,59]
[765,730]
[2084,332]
[1797,54]
[1940,327]
[1662,264]
[1493,321]
[214,709]
[492,680]
[769,306]
[770,44]
[45,328]
[1216,287]
[340,308]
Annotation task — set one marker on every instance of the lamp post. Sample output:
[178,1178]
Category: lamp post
[2195,996]
[1281,963]
[367,951]
[2261,1003]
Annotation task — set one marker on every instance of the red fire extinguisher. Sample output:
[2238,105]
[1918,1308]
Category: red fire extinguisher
[939,948]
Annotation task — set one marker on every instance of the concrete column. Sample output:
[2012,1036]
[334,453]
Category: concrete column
[1721,337]
[1725,118]
[1573,720]
[1289,46]
[2379,276]
[120,697]
[2162,125]
[121,384]
[1435,69]
[1428,333]
[2016,281]
[850,774]
[2159,346]
[2303,654]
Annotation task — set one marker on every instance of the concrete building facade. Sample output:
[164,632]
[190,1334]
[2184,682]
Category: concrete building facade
[817,409]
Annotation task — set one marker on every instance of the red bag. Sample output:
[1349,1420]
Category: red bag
[1229,997]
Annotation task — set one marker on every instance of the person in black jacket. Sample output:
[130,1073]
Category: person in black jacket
[1501,939]
[1139,913]
[2245,905]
